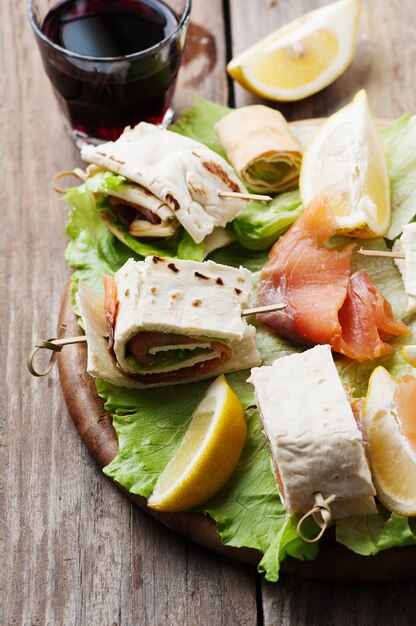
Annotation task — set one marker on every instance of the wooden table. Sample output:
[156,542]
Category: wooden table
[75,550]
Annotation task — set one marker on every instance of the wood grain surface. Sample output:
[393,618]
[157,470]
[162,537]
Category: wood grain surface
[75,550]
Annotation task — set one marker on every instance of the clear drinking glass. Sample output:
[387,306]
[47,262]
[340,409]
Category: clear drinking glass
[112,63]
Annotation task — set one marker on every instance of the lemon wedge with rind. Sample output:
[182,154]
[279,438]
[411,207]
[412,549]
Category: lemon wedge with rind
[208,453]
[302,57]
[409,355]
[389,421]
[345,161]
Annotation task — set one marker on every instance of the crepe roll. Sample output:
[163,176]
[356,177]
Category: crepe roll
[314,440]
[261,148]
[164,321]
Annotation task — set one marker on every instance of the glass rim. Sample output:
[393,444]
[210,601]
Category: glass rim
[128,57]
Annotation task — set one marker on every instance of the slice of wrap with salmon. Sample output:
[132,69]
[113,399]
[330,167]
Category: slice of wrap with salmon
[163,321]
[170,180]
[315,442]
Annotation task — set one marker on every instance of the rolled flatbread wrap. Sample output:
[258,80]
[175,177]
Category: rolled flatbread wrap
[182,174]
[314,440]
[171,321]
[261,148]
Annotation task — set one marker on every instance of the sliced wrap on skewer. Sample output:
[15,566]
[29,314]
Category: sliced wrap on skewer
[134,206]
[169,179]
[164,321]
[259,144]
[314,440]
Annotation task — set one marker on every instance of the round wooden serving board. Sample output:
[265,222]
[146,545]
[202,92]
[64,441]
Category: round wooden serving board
[94,424]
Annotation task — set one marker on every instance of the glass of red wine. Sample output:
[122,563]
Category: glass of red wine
[112,63]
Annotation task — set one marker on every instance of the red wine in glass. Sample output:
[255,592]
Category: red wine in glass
[112,63]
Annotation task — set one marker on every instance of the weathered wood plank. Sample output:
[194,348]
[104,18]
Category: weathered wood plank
[75,550]
[202,70]
[297,602]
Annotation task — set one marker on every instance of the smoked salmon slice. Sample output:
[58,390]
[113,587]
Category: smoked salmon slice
[140,344]
[325,304]
[366,320]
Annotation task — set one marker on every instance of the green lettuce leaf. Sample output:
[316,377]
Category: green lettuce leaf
[286,542]
[399,142]
[105,181]
[261,224]
[235,255]
[369,534]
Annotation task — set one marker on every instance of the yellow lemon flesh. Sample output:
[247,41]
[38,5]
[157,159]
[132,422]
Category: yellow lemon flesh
[345,161]
[208,454]
[409,355]
[389,418]
[303,57]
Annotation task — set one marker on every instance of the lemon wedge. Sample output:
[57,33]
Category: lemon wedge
[409,355]
[345,161]
[303,57]
[208,454]
[389,418]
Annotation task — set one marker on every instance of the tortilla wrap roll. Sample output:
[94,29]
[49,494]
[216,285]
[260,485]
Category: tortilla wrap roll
[184,176]
[168,321]
[314,440]
[261,148]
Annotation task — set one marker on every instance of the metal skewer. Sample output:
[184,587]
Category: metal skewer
[56,344]
[381,253]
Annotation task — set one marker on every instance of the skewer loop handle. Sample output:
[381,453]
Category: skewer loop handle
[321,513]
[55,344]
